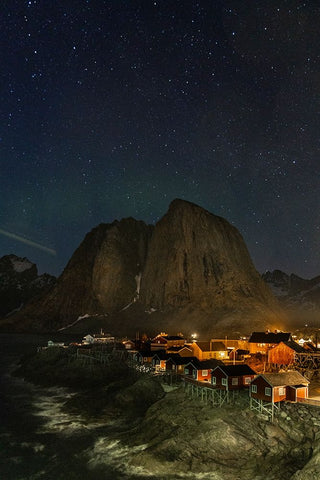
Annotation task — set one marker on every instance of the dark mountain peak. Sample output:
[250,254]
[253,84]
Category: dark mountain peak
[198,258]
[189,216]
[14,269]
[191,268]
[17,264]
[180,203]
[183,207]
[19,283]
[276,277]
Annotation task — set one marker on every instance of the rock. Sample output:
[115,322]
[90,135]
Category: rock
[136,398]
[192,270]
[100,277]
[299,296]
[189,437]
[198,261]
[20,282]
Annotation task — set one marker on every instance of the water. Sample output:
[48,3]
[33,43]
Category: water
[39,440]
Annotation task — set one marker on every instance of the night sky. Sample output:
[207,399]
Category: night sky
[111,109]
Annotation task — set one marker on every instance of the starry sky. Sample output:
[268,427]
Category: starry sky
[111,109]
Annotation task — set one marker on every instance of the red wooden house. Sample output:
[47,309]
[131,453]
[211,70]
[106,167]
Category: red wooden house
[232,377]
[269,389]
[277,387]
[201,370]
[144,356]
[164,341]
[261,342]
[284,353]
[160,358]
[176,364]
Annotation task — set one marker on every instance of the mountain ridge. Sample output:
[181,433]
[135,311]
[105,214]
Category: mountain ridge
[191,270]
[20,282]
[300,297]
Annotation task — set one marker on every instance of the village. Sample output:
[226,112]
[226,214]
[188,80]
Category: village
[268,368]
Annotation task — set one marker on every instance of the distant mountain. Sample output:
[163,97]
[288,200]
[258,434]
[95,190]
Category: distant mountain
[191,272]
[19,282]
[294,292]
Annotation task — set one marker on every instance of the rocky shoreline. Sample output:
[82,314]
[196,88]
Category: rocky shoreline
[169,435]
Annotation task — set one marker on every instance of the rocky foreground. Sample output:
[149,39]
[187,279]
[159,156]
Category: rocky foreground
[165,434]
[189,438]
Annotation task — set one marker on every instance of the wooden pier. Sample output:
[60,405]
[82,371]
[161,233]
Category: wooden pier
[207,393]
[104,357]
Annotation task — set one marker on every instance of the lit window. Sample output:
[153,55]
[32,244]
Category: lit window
[282,391]
[254,388]
[204,373]
[247,380]
[267,391]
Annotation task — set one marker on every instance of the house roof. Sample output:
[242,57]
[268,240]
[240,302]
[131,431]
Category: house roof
[206,364]
[177,360]
[309,346]
[295,346]
[174,337]
[218,347]
[204,346]
[269,337]
[293,378]
[211,346]
[161,355]
[160,338]
[237,370]
[178,349]
[297,386]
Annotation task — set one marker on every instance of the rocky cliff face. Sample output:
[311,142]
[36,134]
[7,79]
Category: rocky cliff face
[19,282]
[192,271]
[199,271]
[102,276]
[199,258]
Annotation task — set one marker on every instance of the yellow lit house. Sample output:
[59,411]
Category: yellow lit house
[207,350]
